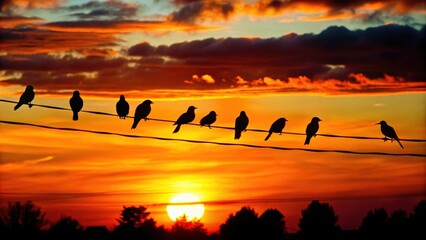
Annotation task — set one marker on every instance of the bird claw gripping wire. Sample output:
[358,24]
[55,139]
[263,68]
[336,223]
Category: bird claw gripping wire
[30,105]
[385,139]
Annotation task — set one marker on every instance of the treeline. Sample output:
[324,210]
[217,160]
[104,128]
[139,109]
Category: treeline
[318,222]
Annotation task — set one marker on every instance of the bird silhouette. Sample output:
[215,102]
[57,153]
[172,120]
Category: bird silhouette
[76,103]
[208,119]
[241,123]
[276,127]
[142,111]
[312,129]
[26,97]
[122,107]
[389,132]
[186,117]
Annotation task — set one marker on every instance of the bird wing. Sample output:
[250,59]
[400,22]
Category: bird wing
[391,133]
[182,119]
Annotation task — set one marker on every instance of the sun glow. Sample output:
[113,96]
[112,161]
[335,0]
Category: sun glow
[191,211]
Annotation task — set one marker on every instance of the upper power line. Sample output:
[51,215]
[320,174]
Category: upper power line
[216,126]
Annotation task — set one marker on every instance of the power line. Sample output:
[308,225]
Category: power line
[300,199]
[219,127]
[212,142]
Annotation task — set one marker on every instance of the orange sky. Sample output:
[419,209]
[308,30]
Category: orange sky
[115,171]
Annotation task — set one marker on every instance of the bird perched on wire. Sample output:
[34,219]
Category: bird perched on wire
[241,123]
[312,129]
[26,97]
[122,107]
[209,119]
[185,118]
[389,132]
[276,127]
[76,103]
[142,111]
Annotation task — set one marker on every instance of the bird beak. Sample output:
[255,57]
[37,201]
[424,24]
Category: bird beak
[376,123]
[320,120]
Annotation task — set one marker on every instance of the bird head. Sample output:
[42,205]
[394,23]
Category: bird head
[316,119]
[122,97]
[148,102]
[242,113]
[29,88]
[192,108]
[382,123]
[213,113]
[284,119]
[76,93]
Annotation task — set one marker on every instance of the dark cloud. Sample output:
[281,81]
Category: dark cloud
[379,59]
[98,10]
[194,10]
[17,21]
[33,41]
[390,49]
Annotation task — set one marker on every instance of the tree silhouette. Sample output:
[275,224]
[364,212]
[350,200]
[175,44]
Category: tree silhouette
[244,225]
[272,225]
[131,218]
[66,228]
[21,221]
[318,222]
[417,221]
[148,230]
[183,229]
[373,226]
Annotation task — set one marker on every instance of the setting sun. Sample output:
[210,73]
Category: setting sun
[191,211]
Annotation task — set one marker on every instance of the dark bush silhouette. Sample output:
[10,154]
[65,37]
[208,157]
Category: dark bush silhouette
[272,225]
[397,225]
[183,229]
[417,221]
[373,226]
[244,225]
[318,222]
[66,228]
[21,221]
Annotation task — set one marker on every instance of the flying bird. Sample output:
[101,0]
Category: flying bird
[142,111]
[186,117]
[241,123]
[312,129]
[389,132]
[26,97]
[276,127]
[76,103]
[122,107]
[209,119]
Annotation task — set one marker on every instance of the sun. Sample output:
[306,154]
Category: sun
[191,211]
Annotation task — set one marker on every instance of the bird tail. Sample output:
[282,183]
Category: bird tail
[75,116]
[237,134]
[177,129]
[135,123]
[18,106]
[308,140]
[400,144]
[269,135]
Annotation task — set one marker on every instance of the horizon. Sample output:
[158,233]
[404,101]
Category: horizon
[350,64]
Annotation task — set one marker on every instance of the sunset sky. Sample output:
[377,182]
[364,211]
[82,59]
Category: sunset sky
[350,63]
